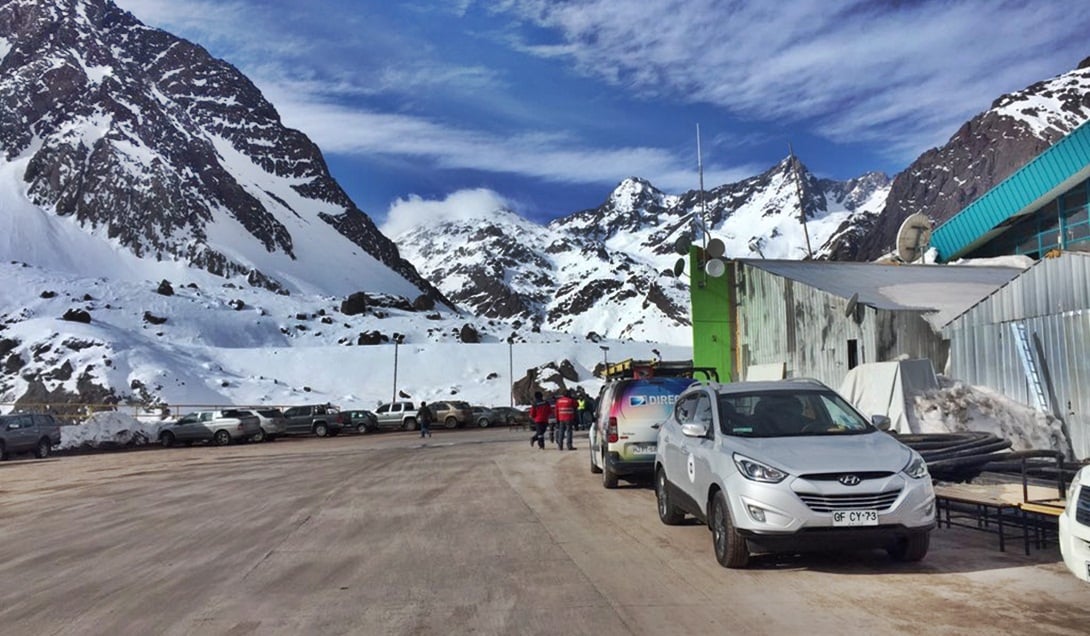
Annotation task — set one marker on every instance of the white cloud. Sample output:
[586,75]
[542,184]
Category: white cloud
[905,74]
[555,157]
[415,211]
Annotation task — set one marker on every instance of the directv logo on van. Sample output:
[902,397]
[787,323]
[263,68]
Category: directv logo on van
[645,400]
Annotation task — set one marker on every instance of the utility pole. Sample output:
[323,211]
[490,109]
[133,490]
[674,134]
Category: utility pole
[397,341]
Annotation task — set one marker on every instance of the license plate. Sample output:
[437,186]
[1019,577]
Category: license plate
[855,518]
[643,449]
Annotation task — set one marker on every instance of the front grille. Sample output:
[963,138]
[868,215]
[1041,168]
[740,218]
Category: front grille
[1082,506]
[868,501]
[864,475]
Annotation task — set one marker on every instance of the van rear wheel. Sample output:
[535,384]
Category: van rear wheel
[609,478]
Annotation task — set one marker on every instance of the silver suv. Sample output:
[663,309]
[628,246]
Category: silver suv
[790,466]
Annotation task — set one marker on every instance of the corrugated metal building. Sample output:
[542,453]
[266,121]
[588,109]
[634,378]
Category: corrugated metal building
[802,314]
[1030,341]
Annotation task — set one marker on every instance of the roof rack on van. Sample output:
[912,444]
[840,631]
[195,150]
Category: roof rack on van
[631,368]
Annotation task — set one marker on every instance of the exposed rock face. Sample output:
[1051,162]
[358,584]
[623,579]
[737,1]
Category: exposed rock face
[982,153]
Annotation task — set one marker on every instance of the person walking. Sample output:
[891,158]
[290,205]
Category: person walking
[565,419]
[424,418]
[539,415]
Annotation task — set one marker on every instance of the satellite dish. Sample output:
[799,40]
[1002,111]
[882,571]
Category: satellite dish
[853,302]
[716,248]
[679,267]
[715,268]
[682,244]
[913,237]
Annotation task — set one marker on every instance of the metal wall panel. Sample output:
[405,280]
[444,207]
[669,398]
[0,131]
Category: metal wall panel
[821,329]
[987,355]
[1053,285]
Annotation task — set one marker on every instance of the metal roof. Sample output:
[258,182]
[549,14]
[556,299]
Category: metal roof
[942,291]
[1048,175]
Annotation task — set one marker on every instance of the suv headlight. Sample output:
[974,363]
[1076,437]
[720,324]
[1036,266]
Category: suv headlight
[916,467]
[757,471]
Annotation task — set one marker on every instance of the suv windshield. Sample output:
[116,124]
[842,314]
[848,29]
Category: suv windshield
[785,414]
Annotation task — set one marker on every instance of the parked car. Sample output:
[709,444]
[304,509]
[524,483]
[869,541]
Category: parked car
[510,416]
[451,413]
[359,421]
[483,416]
[313,419]
[221,427]
[396,415]
[1075,526]
[28,432]
[624,437]
[273,423]
[790,465]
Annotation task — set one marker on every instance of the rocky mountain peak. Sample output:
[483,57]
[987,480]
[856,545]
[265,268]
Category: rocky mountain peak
[983,152]
[147,141]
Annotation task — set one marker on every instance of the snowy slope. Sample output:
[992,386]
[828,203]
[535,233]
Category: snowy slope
[120,139]
[219,344]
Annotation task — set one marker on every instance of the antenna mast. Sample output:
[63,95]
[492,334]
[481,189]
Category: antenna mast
[703,209]
[802,206]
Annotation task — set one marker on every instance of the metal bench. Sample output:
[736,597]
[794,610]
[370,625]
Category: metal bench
[983,508]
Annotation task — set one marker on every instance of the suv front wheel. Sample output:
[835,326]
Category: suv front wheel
[730,547]
[911,548]
[669,514]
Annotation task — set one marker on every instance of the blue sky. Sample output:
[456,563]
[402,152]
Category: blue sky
[431,108]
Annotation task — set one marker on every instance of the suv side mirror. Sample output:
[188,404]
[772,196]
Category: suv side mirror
[695,429]
[881,422]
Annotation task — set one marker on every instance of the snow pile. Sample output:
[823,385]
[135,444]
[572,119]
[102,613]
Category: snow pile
[109,429]
[957,407]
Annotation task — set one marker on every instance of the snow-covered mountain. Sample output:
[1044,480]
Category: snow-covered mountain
[129,147]
[608,270]
[984,151]
[506,268]
[89,340]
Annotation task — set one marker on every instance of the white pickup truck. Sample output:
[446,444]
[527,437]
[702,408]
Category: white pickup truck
[396,415]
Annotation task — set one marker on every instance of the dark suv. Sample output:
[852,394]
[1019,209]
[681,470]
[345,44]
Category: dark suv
[451,413]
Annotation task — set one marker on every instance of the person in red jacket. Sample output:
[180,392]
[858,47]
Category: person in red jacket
[539,415]
[565,419]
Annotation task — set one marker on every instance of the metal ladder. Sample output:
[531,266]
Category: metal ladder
[1029,364]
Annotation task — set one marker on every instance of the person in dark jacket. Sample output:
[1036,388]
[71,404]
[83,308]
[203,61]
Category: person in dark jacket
[424,418]
[539,414]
